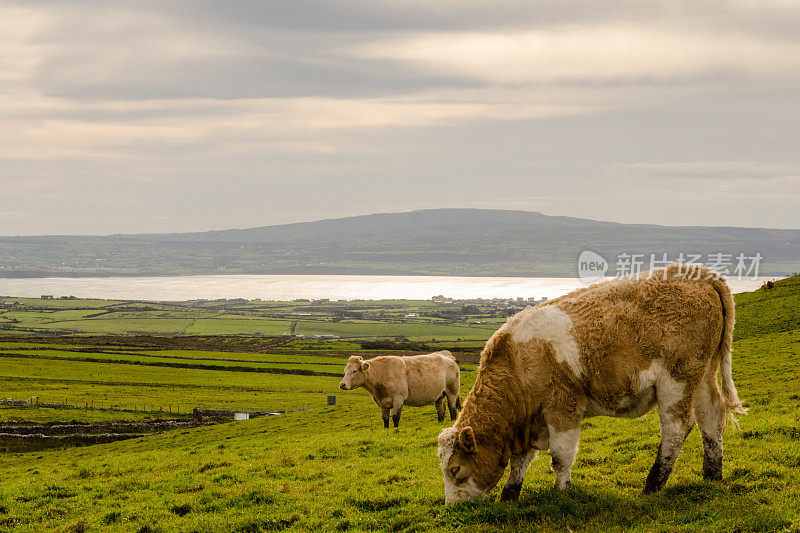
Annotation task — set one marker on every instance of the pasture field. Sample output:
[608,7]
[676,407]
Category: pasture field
[61,416]
[336,468]
[126,386]
[416,320]
[203,360]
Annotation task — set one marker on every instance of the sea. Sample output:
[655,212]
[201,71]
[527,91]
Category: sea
[312,287]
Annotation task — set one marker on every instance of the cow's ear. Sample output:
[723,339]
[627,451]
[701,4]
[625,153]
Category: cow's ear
[364,367]
[499,347]
[466,439]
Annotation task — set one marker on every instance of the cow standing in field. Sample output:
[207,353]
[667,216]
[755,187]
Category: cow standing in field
[617,348]
[413,380]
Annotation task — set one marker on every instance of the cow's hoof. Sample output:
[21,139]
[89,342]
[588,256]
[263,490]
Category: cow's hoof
[510,492]
[649,490]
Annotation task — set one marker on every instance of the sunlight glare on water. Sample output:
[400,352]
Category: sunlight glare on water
[290,287]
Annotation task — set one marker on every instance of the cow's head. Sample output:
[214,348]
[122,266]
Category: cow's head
[469,470]
[354,373]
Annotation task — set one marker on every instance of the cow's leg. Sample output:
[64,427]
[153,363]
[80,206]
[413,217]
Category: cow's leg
[440,408]
[709,408]
[386,411]
[519,465]
[563,449]
[452,404]
[676,417]
[398,408]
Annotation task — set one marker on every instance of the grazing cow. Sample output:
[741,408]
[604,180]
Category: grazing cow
[413,380]
[617,348]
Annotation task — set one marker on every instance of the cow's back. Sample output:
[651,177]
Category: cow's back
[645,320]
[427,377]
[607,337]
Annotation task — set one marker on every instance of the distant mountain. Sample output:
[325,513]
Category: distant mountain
[466,242]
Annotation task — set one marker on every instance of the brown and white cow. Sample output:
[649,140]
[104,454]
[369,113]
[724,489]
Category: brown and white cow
[416,380]
[617,348]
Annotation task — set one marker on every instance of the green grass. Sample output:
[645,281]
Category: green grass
[125,385]
[87,303]
[768,311]
[275,363]
[337,469]
[53,416]
[296,357]
[350,319]
[158,326]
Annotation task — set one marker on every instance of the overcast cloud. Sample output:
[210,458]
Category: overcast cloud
[184,116]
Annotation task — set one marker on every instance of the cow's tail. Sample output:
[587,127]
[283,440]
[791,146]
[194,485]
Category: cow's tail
[458,402]
[729,393]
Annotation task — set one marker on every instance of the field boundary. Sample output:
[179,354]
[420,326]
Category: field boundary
[186,357]
[163,364]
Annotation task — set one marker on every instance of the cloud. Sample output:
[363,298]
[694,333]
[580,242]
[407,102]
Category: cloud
[571,53]
[246,113]
[42,128]
[19,57]
[90,45]
[721,170]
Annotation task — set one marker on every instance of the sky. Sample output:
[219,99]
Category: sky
[126,117]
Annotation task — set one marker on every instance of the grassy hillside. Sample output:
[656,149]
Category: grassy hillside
[767,311]
[473,242]
[337,469]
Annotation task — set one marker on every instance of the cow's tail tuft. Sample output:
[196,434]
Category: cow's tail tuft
[729,393]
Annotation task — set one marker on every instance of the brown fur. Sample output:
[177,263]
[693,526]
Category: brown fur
[676,324]
[419,380]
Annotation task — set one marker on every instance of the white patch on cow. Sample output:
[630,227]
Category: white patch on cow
[447,441]
[458,493]
[669,390]
[710,410]
[454,492]
[551,325]
[647,377]
[563,449]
